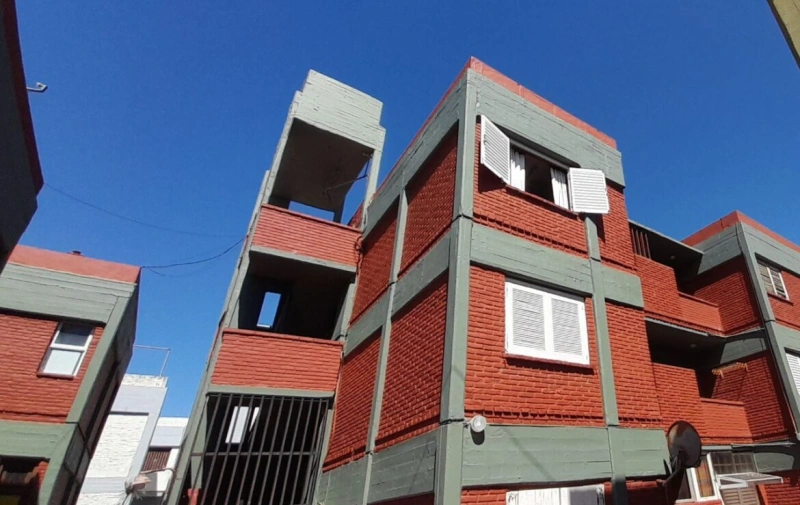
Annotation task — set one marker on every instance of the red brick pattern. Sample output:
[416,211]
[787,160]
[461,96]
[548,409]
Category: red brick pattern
[353,404]
[261,359]
[430,201]
[759,389]
[298,233]
[413,389]
[728,286]
[637,397]
[679,396]
[787,493]
[663,301]
[511,390]
[725,422]
[614,231]
[524,215]
[376,263]
[27,395]
[74,264]
[787,312]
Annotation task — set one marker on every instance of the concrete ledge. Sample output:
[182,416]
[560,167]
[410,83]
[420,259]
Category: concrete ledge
[530,261]
[718,249]
[425,271]
[343,485]
[771,250]
[369,322]
[306,259]
[528,121]
[32,440]
[244,390]
[776,458]
[515,455]
[404,469]
[745,344]
[622,287]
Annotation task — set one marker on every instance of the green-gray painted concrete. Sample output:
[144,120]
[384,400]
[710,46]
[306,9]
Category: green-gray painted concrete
[404,469]
[530,455]
[246,390]
[764,246]
[530,261]
[552,135]
[718,249]
[326,440]
[32,440]
[750,247]
[738,347]
[344,485]
[771,459]
[350,269]
[449,462]
[367,324]
[622,287]
[433,264]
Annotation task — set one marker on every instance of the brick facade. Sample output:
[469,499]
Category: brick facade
[613,231]
[413,388]
[787,493]
[787,312]
[507,389]
[353,404]
[375,263]
[297,233]
[271,360]
[29,395]
[430,201]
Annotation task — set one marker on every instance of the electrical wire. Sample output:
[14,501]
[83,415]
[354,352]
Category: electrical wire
[130,219]
[153,268]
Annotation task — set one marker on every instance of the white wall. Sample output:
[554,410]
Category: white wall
[117,447]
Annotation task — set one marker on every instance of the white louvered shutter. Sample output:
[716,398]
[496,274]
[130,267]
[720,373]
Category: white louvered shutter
[495,150]
[517,168]
[540,497]
[560,190]
[587,191]
[568,337]
[777,282]
[525,310]
[763,270]
[747,496]
[794,367]
[584,495]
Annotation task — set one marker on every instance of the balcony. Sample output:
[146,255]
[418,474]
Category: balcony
[724,422]
[291,233]
[272,360]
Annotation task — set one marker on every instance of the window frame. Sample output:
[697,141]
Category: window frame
[549,353]
[84,350]
[772,271]
[694,484]
[552,163]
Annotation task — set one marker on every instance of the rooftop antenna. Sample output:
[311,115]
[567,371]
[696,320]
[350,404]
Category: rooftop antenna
[40,88]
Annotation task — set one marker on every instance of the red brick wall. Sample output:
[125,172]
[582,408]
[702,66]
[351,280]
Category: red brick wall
[787,493]
[645,493]
[728,286]
[679,396]
[663,300]
[353,404]
[261,359]
[788,311]
[413,388]
[27,396]
[759,389]
[298,233]
[376,263]
[725,422]
[492,496]
[614,231]
[430,200]
[510,390]
[637,397]
[522,214]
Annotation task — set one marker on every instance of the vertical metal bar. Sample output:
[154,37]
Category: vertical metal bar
[224,433]
[204,412]
[647,246]
[209,430]
[271,451]
[311,402]
[265,416]
[280,453]
[312,448]
[222,436]
[248,421]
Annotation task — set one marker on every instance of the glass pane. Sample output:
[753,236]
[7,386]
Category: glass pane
[74,334]
[683,492]
[745,462]
[61,362]
[704,483]
[723,463]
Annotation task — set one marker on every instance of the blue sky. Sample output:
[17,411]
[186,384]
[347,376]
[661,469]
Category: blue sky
[169,112]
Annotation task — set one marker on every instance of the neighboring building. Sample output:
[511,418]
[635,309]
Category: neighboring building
[162,457]
[787,14]
[125,440]
[20,172]
[488,277]
[67,326]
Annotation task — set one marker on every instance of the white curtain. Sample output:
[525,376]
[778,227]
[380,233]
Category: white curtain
[517,169]
[560,192]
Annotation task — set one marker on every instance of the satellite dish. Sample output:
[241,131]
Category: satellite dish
[685,447]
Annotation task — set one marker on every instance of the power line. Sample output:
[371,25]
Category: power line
[130,219]
[153,268]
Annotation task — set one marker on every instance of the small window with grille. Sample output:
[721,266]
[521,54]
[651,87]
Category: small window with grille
[156,459]
[773,280]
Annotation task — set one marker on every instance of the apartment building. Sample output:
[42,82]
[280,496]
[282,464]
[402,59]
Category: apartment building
[20,172]
[490,327]
[787,14]
[67,324]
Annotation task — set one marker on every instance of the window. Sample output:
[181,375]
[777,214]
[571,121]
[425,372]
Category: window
[773,280]
[544,324]
[239,424]
[156,459]
[68,349]
[794,367]
[577,189]
[698,484]
[581,495]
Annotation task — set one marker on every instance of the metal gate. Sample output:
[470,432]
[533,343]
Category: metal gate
[260,449]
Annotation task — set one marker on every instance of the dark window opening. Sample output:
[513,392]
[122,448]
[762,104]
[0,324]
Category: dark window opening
[539,177]
[261,449]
